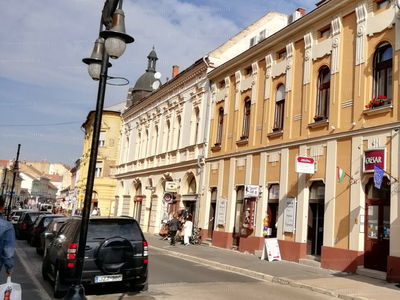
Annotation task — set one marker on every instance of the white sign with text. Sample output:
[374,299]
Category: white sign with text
[289,215]
[221,211]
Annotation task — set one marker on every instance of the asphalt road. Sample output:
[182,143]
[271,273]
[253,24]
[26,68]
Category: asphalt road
[174,278]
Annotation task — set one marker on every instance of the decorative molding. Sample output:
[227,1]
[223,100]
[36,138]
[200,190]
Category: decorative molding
[278,69]
[335,55]
[254,68]
[238,77]
[380,22]
[267,90]
[227,80]
[273,157]
[361,13]
[347,103]
[289,50]
[321,49]
[289,69]
[259,127]
[336,26]
[308,41]
[296,117]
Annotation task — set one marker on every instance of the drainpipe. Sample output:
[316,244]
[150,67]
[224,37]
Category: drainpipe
[200,164]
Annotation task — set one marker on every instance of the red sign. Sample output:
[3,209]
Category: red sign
[167,198]
[304,165]
[138,199]
[374,157]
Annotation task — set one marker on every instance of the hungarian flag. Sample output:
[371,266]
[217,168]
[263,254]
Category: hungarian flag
[340,175]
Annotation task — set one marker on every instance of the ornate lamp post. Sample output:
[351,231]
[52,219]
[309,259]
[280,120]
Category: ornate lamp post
[115,43]
[15,171]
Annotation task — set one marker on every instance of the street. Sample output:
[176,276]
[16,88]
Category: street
[170,278]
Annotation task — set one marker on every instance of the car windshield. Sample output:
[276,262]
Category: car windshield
[33,217]
[101,229]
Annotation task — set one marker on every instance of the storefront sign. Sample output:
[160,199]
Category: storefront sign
[221,211]
[271,250]
[171,186]
[251,191]
[167,198]
[138,198]
[289,215]
[374,157]
[304,165]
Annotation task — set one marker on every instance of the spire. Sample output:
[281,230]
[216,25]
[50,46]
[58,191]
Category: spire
[151,65]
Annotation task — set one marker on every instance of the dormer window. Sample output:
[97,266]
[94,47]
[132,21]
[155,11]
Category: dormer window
[262,35]
[253,41]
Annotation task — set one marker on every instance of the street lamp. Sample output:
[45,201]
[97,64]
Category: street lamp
[15,171]
[116,38]
[3,184]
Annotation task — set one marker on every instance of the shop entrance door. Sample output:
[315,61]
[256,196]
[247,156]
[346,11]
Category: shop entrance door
[315,233]
[211,220]
[377,226]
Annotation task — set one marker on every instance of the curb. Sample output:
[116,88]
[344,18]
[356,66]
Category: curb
[260,276]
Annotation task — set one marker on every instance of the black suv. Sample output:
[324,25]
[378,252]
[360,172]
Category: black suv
[25,223]
[116,251]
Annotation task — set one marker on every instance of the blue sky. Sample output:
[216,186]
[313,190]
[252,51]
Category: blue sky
[45,90]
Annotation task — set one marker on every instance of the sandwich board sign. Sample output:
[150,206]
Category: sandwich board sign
[271,250]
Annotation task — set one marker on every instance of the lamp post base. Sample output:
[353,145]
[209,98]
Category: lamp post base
[75,292]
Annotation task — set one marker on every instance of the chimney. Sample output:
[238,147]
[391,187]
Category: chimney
[175,71]
[302,11]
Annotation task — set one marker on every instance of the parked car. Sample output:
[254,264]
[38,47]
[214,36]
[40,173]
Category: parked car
[25,223]
[16,214]
[47,236]
[116,251]
[39,226]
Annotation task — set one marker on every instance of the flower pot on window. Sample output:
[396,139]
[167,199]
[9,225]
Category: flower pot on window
[275,129]
[377,101]
[319,118]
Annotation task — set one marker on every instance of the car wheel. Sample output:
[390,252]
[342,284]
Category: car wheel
[44,270]
[57,285]
[38,250]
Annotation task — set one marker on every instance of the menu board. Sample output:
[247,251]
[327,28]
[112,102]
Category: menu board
[221,211]
[271,250]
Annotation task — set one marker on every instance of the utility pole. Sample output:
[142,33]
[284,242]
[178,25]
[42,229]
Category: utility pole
[15,171]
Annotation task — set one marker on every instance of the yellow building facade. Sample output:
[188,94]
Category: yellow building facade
[322,91]
[107,157]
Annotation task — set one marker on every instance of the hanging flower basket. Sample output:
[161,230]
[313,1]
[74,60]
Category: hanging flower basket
[377,101]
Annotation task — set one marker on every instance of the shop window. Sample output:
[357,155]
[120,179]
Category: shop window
[324,83]
[279,108]
[383,71]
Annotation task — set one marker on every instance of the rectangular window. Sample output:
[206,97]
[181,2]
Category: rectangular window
[99,164]
[282,54]
[102,138]
[325,32]
[248,71]
[253,41]
[222,84]
[382,4]
[262,35]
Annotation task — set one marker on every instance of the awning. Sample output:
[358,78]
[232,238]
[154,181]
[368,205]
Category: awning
[189,197]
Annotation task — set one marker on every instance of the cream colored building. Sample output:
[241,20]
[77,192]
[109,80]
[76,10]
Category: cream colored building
[107,157]
[301,96]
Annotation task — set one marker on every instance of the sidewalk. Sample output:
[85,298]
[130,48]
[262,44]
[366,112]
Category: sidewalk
[335,283]
[31,290]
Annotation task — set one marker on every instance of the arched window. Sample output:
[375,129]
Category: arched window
[246,118]
[155,142]
[127,149]
[168,136]
[383,71]
[220,126]
[146,143]
[279,107]
[138,145]
[324,83]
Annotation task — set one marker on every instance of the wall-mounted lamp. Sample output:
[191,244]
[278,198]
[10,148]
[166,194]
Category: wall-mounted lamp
[333,127]
[353,124]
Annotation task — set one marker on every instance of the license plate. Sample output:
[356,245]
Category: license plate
[107,278]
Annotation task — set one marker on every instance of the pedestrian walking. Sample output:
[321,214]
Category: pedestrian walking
[173,228]
[187,230]
[7,242]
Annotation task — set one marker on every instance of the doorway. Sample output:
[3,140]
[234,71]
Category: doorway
[315,221]
[377,225]
[238,217]
[211,220]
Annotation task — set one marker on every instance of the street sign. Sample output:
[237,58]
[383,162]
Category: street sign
[150,188]
[167,198]
[73,200]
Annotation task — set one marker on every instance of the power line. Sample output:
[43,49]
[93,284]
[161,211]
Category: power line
[32,125]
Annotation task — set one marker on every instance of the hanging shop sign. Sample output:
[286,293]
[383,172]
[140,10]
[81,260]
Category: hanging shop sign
[289,215]
[221,211]
[167,198]
[171,186]
[374,157]
[251,191]
[138,199]
[305,165]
